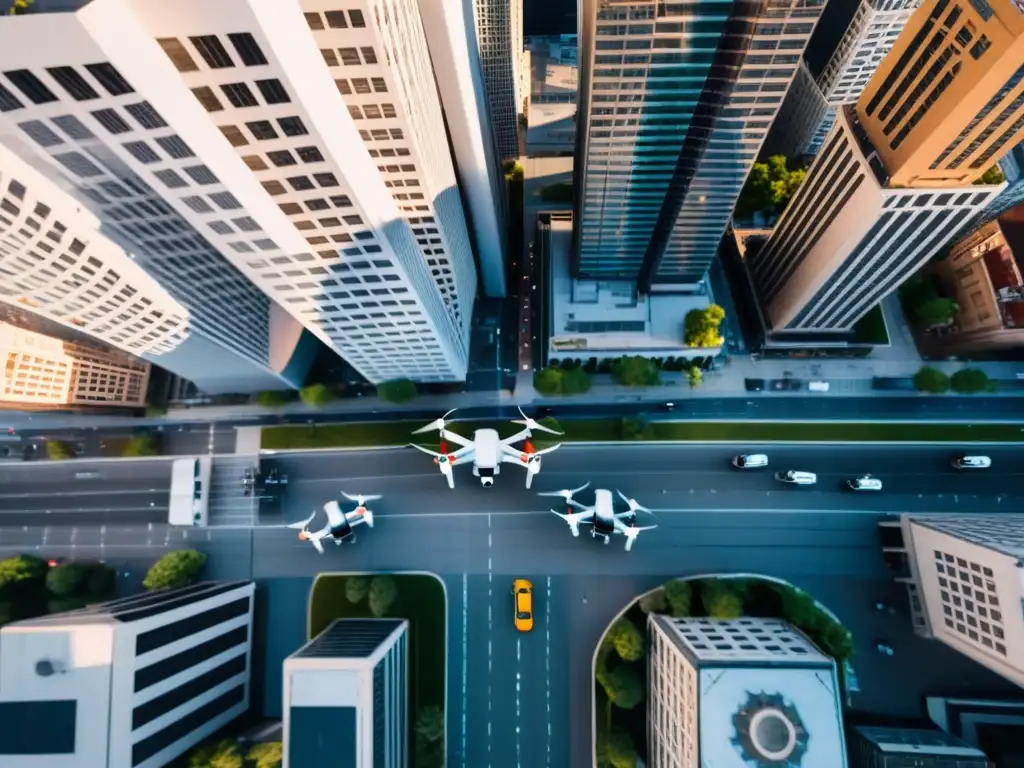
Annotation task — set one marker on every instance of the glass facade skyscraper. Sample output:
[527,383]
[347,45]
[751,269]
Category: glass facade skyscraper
[675,101]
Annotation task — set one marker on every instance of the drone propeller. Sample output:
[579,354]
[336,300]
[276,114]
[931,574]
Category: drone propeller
[634,505]
[368,516]
[632,532]
[565,494]
[304,525]
[532,425]
[360,500]
[438,424]
[572,518]
[444,462]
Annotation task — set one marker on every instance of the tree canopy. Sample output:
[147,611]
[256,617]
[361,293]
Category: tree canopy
[935,311]
[316,395]
[701,327]
[428,750]
[627,640]
[654,601]
[623,686]
[383,591]
[931,380]
[140,445]
[357,588]
[66,579]
[269,754]
[175,569]
[21,570]
[719,600]
[679,594]
[635,371]
[397,390]
[993,175]
[221,754]
[556,380]
[769,187]
[273,397]
[969,381]
[694,376]
[56,450]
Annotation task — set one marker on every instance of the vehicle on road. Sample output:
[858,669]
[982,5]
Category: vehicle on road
[884,648]
[796,477]
[522,591]
[602,518]
[972,462]
[190,491]
[339,524]
[486,450]
[248,481]
[750,460]
[818,386]
[864,483]
[80,448]
[87,475]
[667,406]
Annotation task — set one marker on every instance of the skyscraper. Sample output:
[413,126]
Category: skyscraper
[872,32]
[235,119]
[894,180]
[499,33]
[675,100]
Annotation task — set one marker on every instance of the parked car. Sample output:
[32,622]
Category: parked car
[796,477]
[972,462]
[864,483]
[750,461]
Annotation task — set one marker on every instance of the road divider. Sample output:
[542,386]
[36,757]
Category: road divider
[395,433]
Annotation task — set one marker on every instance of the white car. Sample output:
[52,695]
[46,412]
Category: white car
[750,461]
[972,462]
[865,483]
[796,477]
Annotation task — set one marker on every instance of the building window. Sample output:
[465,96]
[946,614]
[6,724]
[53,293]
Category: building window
[292,126]
[197,204]
[262,129]
[179,56]
[175,147]
[330,58]
[341,201]
[41,133]
[379,85]
[317,204]
[300,183]
[354,112]
[273,92]
[31,86]
[213,51]
[349,57]
[108,76]
[73,83]
[325,179]
[142,152]
[145,115]
[207,98]
[239,95]
[255,163]
[8,101]
[314,21]
[246,224]
[112,121]
[274,188]
[78,164]
[369,56]
[388,109]
[234,136]
[336,19]
[356,17]
[281,158]
[171,179]
[200,174]
[248,50]
[309,155]
[221,228]
[73,127]
[343,87]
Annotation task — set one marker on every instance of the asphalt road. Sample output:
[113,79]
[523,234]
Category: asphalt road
[528,695]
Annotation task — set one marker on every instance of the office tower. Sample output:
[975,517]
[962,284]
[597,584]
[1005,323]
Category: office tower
[965,580]
[675,100]
[451,37]
[499,33]
[872,32]
[801,111]
[45,372]
[133,682]
[1012,167]
[56,262]
[983,270]
[885,747]
[236,115]
[346,696]
[740,692]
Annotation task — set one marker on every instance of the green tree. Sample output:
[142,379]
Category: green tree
[222,754]
[57,451]
[623,686]
[969,381]
[993,175]
[140,445]
[273,398]
[769,187]
[835,640]
[316,395]
[655,601]
[679,594]
[383,591]
[20,7]
[549,381]
[269,754]
[575,381]
[719,601]
[799,608]
[701,327]
[429,738]
[175,569]
[22,572]
[694,376]
[931,380]
[155,411]
[935,311]
[357,588]
[619,749]
[627,640]
[635,371]
[64,604]
[66,579]
[397,390]
[100,581]
[636,429]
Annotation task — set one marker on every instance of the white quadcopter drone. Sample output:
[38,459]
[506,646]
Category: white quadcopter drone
[339,524]
[486,450]
[602,517]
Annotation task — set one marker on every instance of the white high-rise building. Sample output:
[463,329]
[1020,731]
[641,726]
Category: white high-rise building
[56,263]
[871,34]
[134,682]
[499,32]
[236,113]
[967,585]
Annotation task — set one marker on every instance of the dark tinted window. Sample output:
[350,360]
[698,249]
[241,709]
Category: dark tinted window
[247,48]
[73,83]
[108,76]
[31,86]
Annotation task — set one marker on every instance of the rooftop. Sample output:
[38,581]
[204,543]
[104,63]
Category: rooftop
[349,639]
[919,748]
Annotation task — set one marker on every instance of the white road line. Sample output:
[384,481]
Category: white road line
[213,436]
[547,667]
[79,510]
[465,655]
[490,635]
[753,510]
[519,677]
[44,494]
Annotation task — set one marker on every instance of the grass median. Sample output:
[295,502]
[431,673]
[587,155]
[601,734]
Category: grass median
[611,430]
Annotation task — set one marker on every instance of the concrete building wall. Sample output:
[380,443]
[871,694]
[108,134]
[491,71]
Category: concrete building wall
[499,33]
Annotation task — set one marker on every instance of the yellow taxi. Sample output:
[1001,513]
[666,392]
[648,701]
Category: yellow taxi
[522,592]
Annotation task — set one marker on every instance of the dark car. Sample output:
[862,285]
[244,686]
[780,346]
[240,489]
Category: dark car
[754,385]
[80,448]
[787,385]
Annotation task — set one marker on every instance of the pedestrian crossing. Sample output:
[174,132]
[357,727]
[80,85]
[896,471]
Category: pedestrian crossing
[228,503]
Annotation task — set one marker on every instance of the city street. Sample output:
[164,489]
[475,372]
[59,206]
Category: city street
[529,695]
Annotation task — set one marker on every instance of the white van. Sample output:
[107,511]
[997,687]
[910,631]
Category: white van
[796,477]
[972,462]
[865,483]
[750,461]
